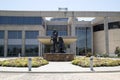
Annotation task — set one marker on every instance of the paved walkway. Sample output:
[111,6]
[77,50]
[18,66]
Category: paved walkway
[61,67]
[60,76]
[60,71]
[58,67]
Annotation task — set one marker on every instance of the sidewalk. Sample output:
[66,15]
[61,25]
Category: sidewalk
[65,67]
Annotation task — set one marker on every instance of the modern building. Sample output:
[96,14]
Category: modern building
[20,32]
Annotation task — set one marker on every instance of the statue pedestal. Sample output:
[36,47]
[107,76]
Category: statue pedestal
[58,56]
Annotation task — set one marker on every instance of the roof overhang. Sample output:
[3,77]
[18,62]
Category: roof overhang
[47,39]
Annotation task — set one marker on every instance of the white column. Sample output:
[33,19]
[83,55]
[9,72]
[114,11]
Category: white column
[68,30]
[45,24]
[23,43]
[92,48]
[6,43]
[73,45]
[39,49]
[106,35]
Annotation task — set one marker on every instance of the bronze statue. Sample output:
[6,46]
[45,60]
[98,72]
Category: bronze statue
[57,45]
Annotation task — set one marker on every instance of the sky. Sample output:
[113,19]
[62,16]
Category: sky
[53,5]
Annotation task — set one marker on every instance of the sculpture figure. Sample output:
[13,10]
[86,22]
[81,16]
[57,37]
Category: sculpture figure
[57,45]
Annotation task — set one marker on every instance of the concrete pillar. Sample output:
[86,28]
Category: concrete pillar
[45,25]
[73,45]
[23,43]
[106,35]
[68,30]
[92,48]
[39,46]
[6,43]
[86,40]
[39,49]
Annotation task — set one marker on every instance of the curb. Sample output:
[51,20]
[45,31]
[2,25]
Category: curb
[54,72]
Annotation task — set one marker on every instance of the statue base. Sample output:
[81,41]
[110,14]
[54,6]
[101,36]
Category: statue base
[58,56]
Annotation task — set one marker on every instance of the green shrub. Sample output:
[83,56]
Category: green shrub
[117,51]
[97,62]
[88,54]
[0,63]
[23,62]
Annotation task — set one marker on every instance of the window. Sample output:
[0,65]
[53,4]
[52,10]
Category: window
[99,27]
[114,25]
[14,34]
[84,40]
[14,50]
[111,25]
[1,50]
[20,20]
[62,30]
[31,34]
[31,50]
[1,34]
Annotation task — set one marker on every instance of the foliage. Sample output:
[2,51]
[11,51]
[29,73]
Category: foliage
[97,62]
[88,54]
[23,62]
[117,51]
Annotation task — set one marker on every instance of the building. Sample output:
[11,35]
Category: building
[19,31]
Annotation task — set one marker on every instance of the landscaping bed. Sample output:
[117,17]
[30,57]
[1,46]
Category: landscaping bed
[23,62]
[97,62]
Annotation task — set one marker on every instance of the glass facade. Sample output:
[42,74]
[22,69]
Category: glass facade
[14,34]
[99,27]
[1,50]
[114,25]
[59,19]
[31,50]
[31,34]
[20,20]
[14,50]
[83,44]
[111,25]
[62,30]
[1,43]
[1,34]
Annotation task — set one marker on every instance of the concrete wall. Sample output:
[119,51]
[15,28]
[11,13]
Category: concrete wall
[99,41]
[114,39]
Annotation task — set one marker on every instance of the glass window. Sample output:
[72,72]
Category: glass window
[62,30]
[111,25]
[114,25]
[1,34]
[99,27]
[84,40]
[14,34]
[20,20]
[31,50]
[31,34]
[1,50]
[14,50]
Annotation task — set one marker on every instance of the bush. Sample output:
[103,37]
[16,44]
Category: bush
[117,51]
[88,54]
[97,62]
[23,62]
